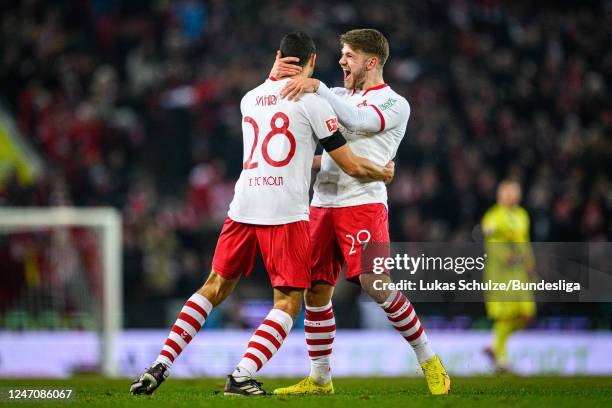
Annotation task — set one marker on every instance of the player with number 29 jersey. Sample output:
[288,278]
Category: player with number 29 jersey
[348,216]
[280,138]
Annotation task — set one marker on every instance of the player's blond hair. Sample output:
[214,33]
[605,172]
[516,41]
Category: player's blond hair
[369,41]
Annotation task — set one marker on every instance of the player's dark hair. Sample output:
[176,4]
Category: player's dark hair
[368,40]
[298,44]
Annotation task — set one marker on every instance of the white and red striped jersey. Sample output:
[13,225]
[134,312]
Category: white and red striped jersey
[373,122]
[280,138]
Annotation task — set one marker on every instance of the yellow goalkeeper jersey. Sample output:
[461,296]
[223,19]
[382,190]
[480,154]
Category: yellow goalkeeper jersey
[508,248]
[506,224]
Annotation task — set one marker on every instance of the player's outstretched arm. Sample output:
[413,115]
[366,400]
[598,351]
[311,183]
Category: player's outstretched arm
[360,167]
[367,118]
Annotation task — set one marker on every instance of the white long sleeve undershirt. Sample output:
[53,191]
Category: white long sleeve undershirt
[367,118]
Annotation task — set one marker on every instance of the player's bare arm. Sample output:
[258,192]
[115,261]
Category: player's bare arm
[360,167]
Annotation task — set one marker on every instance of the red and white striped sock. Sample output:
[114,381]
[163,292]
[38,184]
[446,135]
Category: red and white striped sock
[264,343]
[403,317]
[190,321]
[320,330]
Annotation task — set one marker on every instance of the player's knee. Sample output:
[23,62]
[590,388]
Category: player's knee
[318,295]
[290,305]
[216,288]
[312,299]
[367,281]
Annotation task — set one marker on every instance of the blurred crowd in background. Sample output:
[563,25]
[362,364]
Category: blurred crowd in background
[135,104]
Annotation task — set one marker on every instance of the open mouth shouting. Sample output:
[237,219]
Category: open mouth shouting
[347,74]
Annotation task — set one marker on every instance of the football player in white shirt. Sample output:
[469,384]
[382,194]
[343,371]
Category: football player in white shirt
[270,212]
[346,213]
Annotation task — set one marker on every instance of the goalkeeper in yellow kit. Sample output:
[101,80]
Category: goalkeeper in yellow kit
[509,257]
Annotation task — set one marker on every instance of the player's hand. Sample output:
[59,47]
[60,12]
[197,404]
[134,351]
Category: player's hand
[298,87]
[389,171]
[283,68]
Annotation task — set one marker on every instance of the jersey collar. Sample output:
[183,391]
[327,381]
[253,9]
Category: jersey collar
[274,79]
[374,88]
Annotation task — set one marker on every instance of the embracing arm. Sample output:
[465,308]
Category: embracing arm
[361,168]
[325,126]
[368,118]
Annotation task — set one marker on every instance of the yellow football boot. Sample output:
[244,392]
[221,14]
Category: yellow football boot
[435,374]
[306,386]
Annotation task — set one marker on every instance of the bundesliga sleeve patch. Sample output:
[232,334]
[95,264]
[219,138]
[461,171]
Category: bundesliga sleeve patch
[332,124]
[387,104]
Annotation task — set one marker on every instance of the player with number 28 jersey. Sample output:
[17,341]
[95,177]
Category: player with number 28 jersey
[278,150]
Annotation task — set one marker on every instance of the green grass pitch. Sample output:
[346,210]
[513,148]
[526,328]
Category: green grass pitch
[354,392]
